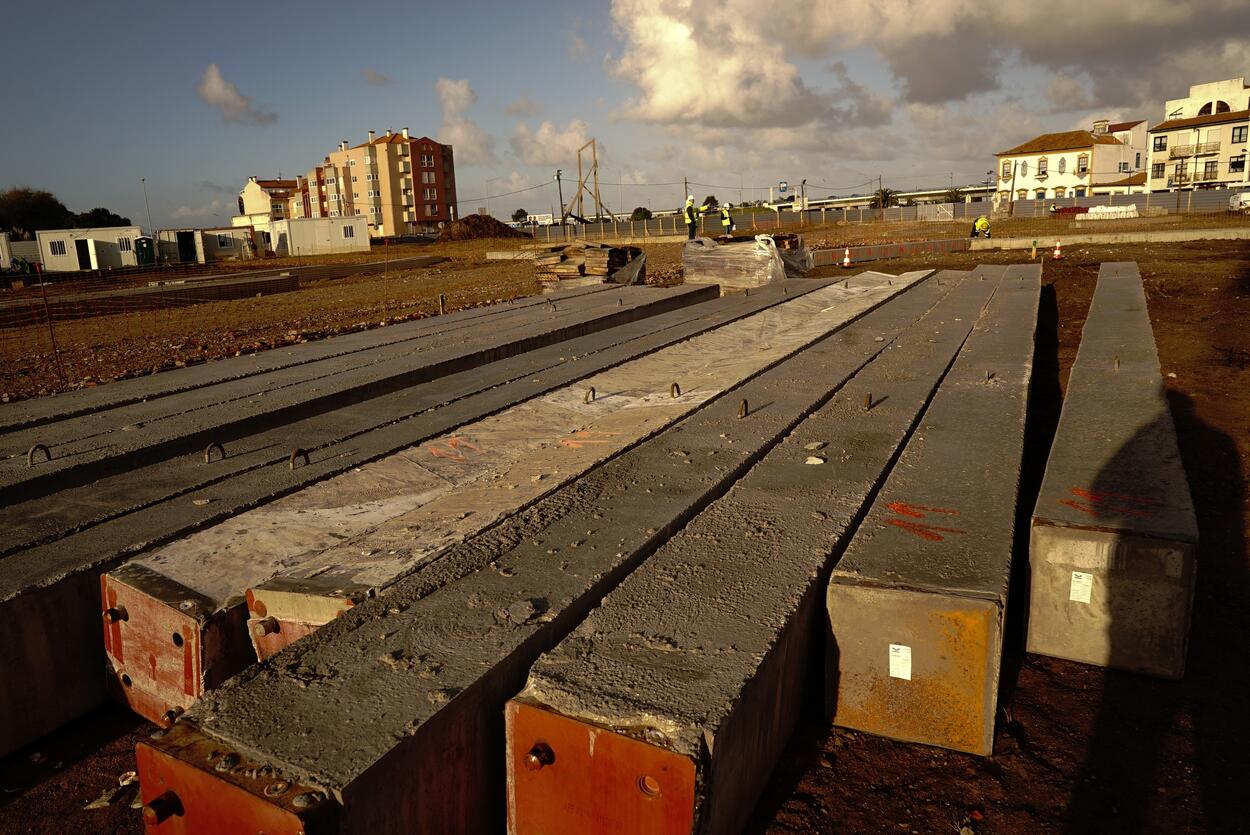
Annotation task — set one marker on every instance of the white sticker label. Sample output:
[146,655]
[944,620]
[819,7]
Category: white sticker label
[1082,585]
[900,661]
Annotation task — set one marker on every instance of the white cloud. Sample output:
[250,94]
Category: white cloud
[208,211]
[549,145]
[523,107]
[234,107]
[376,78]
[472,145]
[576,46]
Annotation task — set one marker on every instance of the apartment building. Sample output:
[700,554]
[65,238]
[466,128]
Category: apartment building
[1108,158]
[398,183]
[1202,141]
[262,201]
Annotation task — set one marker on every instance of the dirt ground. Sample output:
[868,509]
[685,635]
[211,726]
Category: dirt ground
[1078,748]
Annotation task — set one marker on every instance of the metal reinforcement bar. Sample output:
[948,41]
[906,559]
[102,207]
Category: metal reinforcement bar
[1114,541]
[512,459]
[390,718]
[916,604]
[50,410]
[50,593]
[667,709]
[186,618]
[80,455]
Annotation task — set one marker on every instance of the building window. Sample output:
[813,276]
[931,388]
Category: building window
[1060,191]
[353,178]
[1042,165]
[1179,171]
[357,211]
[56,247]
[1022,194]
[349,231]
[1156,170]
[1124,169]
[427,161]
[1063,164]
[428,176]
[1137,162]
[1006,170]
[1161,143]
[1024,168]
[1082,164]
[1211,170]
[223,242]
[1237,165]
[1239,134]
[356,195]
[430,209]
[123,244]
[1078,192]
[1040,194]
[431,194]
[351,162]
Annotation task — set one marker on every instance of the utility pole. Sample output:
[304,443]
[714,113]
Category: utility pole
[151,229]
[560,187]
[686,183]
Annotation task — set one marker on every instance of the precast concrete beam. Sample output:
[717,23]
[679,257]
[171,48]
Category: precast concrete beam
[1114,540]
[68,405]
[668,707]
[368,527]
[394,711]
[91,446]
[50,592]
[916,604]
[510,460]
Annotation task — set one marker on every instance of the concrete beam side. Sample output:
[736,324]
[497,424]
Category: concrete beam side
[704,651]
[1114,539]
[460,634]
[917,602]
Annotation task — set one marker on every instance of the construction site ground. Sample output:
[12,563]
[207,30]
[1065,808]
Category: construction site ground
[1077,748]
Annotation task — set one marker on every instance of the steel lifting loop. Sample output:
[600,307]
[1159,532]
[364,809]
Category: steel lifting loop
[208,451]
[674,390]
[30,455]
[298,452]
[743,411]
[590,395]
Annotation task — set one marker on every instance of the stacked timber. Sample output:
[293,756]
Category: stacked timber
[576,260]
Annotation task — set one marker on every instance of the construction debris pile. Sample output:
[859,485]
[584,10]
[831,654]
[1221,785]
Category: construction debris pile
[476,227]
[584,259]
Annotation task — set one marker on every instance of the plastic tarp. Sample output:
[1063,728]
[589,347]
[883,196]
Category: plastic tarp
[1110,212]
[744,264]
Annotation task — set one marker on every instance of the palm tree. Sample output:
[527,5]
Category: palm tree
[952,195]
[884,197]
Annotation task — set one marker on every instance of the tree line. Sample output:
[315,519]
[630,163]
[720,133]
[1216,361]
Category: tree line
[25,211]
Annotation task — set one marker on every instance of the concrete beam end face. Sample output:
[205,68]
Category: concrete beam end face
[193,784]
[914,666]
[280,613]
[1111,599]
[165,644]
[568,777]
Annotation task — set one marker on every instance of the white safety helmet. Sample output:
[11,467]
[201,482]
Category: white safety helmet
[689,198]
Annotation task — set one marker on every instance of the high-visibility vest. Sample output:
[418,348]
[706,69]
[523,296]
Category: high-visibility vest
[690,214]
[982,224]
[725,219]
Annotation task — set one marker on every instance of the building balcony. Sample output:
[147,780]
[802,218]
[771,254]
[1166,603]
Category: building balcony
[1207,148]
[1178,151]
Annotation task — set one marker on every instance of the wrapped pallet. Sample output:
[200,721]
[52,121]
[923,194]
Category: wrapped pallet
[734,266]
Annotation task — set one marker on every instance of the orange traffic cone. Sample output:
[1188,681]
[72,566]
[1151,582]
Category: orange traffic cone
[846,257]
[1058,256]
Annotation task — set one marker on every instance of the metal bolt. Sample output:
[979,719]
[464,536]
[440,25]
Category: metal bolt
[171,716]
[161,808]
[649,786]
[228,762]
[540,755]
[265,626]
[305,800]
[275,789]
[113,614]
[674,390]
[590,395]
[742,408]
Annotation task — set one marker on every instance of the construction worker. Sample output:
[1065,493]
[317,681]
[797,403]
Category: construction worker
[692,216]
[981,227]
[726,220]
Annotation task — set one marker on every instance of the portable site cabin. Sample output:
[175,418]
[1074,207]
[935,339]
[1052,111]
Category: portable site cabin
[204,246]
[319,235]
[99,248]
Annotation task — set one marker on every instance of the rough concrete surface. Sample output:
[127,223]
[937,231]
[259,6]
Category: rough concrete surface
[1114,538]
[916,604]
[453,641]
[706,645]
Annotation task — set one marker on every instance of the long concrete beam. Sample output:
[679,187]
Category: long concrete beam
[49,594]
[81,450]
[916,604]
[68,405]
[1114,541]
[666,710]
[406,692]
[418,502]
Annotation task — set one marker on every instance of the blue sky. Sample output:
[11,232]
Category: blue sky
[834,91]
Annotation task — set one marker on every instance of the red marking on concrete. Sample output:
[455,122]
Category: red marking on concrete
[1098,503]
[922,530]
[918,511]
[451,449]
[587,437]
